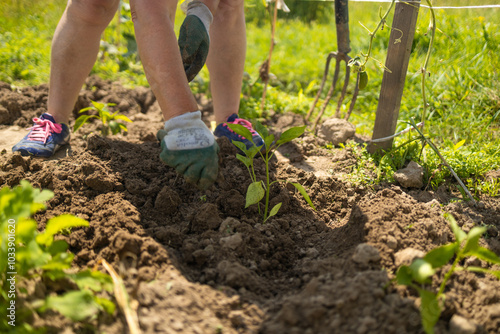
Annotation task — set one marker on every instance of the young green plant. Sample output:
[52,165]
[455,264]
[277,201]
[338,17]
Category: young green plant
[259,189]
[109,120]
[28,255]
[419,273]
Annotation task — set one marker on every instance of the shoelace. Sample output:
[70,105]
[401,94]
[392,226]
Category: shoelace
[43,129]
[243,122]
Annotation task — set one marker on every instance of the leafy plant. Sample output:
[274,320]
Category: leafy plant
[419,273]
[27,254]
[259,189]
[109,120]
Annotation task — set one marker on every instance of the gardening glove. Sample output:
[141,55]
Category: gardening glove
[194,38]
[190,147]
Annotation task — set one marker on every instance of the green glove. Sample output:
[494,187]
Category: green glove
[190,147]
[194,39]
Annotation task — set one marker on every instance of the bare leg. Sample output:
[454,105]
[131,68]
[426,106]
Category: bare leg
[226,58]
[157,43]
[74,51]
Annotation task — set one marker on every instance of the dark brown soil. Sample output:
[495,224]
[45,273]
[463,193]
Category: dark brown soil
[198,262]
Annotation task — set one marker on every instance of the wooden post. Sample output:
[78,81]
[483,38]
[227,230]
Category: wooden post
[398,57]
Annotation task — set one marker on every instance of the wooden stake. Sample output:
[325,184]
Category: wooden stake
[398,57]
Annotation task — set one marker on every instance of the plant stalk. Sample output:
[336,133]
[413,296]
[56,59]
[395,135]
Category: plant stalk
[372,34]
[426,62]
[268,186]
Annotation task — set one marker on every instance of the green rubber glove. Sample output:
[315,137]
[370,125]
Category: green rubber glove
[194,39]
[190,147]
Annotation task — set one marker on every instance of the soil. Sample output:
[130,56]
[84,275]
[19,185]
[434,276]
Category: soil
[199,262]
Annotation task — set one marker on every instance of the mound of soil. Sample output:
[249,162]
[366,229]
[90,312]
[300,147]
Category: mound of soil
[199,262]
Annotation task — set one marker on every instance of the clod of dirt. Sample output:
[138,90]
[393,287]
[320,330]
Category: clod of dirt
[365,253]
[461,325]
[231,242]
[207,219]
[167,201]
[407,255]
[336,130]
[410,177]
[228,225]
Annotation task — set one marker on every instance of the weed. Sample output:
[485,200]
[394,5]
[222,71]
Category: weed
[109,120]
[258,189]
[27,254]
[419,273]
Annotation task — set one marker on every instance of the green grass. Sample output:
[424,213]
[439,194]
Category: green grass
[463,89]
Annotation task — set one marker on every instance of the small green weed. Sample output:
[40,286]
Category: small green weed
[258,189]
[109,120]
[27,254]
[419,273]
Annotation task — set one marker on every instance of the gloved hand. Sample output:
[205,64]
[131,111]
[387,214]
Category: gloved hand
[194,39]
[190,147]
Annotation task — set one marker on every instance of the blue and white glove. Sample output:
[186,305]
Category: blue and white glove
[189,146]
[194,39]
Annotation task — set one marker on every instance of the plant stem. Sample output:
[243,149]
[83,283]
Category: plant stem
[431,144]
[426,62]
[449,273]
[372,34]
[268,186]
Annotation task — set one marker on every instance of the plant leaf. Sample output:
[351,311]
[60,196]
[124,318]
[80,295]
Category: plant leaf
[268,141]
[80,121]
[291,134]
[76,305]
[93,280]
[86,109]
[495,273]
[56,225]
[106,304]
[484,254]
[421,270]
[404,275]
[123,127]
[440,256]
[123,118]
[241,146]
[473,236]
[255,193]
[60,261]
[457,231]
[429,310]
[246,161]
[261,129]
[43,196]
[242,131]
[58,246]
[274,210]
[304,194]
[458,145]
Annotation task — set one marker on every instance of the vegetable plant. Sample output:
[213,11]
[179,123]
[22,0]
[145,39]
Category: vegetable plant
[419,273]
[28,255]
[258,189]
[109,120]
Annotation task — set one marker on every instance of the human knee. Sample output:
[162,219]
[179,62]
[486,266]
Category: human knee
[147,11]
[231,6]
[93,12]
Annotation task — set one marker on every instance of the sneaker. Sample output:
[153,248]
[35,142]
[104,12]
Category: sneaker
[44,139]
[222,130]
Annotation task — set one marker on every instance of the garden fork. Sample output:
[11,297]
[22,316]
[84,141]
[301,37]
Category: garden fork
[343,45]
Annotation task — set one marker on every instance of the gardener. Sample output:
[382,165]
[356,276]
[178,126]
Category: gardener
[187,144]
